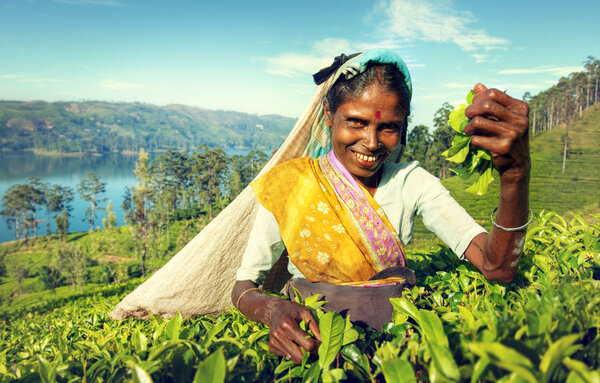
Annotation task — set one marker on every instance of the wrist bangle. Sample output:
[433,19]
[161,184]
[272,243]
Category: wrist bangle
[237,305]
[512,228]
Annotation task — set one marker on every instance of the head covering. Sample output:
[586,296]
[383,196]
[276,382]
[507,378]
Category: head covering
[198,280]
[349,67]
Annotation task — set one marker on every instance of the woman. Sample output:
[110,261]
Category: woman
[344,215]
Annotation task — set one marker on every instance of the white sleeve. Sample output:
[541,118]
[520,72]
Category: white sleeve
[264,247]
[442,214]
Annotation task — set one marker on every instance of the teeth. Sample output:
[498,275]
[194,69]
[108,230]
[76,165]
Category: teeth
[365,157]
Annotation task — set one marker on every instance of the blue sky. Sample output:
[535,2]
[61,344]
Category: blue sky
[258,56]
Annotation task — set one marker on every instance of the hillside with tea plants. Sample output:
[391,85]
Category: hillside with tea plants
[453,326]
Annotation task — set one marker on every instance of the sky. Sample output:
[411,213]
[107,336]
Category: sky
[259,56]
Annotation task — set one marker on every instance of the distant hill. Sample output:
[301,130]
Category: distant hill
[100,127]
[575,191]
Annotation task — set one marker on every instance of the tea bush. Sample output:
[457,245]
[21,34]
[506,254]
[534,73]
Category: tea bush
[453,326]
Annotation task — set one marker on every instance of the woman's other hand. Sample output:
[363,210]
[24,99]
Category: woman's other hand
[500,124]
[286,338]
[282,316]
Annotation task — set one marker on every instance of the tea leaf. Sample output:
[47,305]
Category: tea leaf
[443,361]
[212,369]
[173,327]
[331,327]
[398,371]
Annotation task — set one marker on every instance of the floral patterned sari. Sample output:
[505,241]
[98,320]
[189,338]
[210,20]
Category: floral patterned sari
[333,229]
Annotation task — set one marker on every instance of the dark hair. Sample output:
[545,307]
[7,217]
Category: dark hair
[387,75]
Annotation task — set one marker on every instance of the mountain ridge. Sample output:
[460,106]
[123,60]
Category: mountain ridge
[102,127]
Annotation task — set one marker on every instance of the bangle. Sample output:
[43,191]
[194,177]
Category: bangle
[237,305]
[512,228]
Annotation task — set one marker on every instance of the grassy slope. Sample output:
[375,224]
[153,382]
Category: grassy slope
[575,191]
[102,247]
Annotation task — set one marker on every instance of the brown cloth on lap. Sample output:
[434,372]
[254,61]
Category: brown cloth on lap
[366,306]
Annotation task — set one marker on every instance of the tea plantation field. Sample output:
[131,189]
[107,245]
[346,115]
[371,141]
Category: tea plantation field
[454,326]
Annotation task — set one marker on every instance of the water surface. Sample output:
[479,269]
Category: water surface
[114,169]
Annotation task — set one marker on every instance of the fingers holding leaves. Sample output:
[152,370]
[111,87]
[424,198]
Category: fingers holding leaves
[308,318]
[483,93]
[287,338]
[499,124]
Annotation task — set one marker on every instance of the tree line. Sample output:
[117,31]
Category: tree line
[174,186]
[180,186]
[103,127]
[564,102]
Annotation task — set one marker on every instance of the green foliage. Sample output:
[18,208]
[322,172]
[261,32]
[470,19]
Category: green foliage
[470,160]
[101,127]
[20,203]
[89,188]
[453,326]
[418,146]
[549,188]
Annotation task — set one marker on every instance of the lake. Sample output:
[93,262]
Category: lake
[114,169]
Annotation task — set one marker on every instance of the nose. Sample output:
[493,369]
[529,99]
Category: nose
[371,139]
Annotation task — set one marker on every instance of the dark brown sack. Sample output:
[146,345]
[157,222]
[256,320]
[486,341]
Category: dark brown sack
[366,306]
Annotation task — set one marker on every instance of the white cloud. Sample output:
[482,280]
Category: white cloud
[21,78]
[293,64]
[437,21]
[39,80]
[296,64]
[321,55]
[557,71]
[117,85]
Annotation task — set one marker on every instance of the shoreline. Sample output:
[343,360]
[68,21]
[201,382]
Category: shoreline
[39,152]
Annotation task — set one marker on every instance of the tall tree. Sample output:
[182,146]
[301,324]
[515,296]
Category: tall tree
[170,185]
[110,220]
[137,205]
[70,262]
[442,139]
[89,189]
[242,170]
[208,170]
[418,143]
[21,203]
[58,201]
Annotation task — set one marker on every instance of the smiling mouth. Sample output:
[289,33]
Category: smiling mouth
[364,157]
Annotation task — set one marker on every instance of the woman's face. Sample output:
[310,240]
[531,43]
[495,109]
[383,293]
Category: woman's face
[365,130]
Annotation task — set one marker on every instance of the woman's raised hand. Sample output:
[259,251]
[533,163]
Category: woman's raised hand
[500,124]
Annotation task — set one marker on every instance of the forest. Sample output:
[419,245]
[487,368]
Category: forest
[95,127]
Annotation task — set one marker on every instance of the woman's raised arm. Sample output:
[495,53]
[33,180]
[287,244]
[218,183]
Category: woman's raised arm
[500,124]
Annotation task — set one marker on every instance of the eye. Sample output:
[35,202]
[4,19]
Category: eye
[355,122]
[391,128]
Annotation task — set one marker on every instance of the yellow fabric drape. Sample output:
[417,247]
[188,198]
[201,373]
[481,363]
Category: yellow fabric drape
[319,232]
